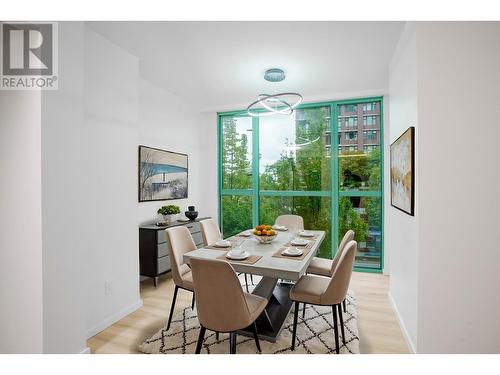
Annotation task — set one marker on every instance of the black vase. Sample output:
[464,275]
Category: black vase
[191,214]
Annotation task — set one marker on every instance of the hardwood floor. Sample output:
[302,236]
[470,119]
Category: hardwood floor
[379,331]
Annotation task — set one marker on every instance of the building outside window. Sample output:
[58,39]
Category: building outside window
[297,171]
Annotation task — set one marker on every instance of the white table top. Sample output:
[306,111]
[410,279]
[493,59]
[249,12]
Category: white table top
[282,268]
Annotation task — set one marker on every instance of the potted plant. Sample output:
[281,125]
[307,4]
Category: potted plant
[169,213]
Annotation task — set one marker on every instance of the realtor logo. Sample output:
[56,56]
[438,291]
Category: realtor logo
[29,56]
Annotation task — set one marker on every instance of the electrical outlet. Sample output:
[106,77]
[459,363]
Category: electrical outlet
[107,287]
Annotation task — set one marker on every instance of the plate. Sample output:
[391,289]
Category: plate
[299,242]
[306,234]
[281,228]
[287,253]
[183,220]
[245,234]
[224,244]
[241,256]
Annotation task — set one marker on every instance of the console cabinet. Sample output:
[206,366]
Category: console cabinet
[154,257]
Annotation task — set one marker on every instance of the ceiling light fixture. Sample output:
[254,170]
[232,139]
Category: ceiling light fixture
[282,104]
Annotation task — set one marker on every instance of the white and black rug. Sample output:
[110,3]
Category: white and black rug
[314,335]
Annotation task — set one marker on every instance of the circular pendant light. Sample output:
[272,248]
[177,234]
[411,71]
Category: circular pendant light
[282,104]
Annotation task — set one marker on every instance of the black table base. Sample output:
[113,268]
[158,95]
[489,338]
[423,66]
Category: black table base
[270,322]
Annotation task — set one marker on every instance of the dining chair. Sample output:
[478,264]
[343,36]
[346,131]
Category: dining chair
[325,267]
[210,233]
[221,305]
[290,221]
[326,291]
[180,241]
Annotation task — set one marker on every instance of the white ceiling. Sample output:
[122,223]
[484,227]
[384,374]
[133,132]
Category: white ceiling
[220,65]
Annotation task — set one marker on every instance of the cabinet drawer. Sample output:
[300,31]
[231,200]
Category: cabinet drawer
[193,227]
[198,239]
[161,236]
[162,249]
[163,264]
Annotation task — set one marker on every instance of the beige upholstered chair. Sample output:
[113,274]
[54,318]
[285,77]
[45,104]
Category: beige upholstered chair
[209,231]
[180,241]
[222,306]
[290,221]
[326,291]
[325,267]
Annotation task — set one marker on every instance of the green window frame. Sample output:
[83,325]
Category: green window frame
[335,193]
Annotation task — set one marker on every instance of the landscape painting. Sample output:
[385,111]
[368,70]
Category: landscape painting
[163,175]
[403,172]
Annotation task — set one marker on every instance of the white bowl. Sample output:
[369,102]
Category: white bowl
[222,243]
[237,255]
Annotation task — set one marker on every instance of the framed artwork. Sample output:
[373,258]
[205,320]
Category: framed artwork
[163,175]
[403,172]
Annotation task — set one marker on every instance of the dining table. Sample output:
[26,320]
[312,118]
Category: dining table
[278,272]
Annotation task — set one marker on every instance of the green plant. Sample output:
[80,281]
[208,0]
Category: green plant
[169,210]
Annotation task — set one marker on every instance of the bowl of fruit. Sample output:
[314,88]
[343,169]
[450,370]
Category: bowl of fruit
[264,233]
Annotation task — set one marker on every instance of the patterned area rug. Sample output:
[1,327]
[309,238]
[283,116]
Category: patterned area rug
[314,335]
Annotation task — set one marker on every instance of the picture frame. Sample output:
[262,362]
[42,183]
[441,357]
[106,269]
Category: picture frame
[162,174]
[402,169]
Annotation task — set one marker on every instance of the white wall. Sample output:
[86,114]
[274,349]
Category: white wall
[445,80]
[207,128]
[21,323]
[401,230]
[168,123]
[109,143]
[459,181]
[64,191]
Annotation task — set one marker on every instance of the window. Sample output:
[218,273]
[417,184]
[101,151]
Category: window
[369,148]
[351,136]
[237,152]
[300,164]
[369,120]
[348,108]
[351,122]
[370,135]
[369,107]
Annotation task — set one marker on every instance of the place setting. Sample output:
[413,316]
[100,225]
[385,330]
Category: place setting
[238,254]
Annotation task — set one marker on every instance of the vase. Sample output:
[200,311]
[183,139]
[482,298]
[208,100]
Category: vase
[168,219]
[191,214]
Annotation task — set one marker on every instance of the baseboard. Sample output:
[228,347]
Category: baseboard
[85,351]
[113,319]
[401,324]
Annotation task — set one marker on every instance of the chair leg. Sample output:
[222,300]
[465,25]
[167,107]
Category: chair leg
[201,336]
[335,328]
[192,303]
[246,282]
[304,311]
[345,306]
[232,343]
[294,332]
[251,279]
[172,307]
[255,336]
[341,318]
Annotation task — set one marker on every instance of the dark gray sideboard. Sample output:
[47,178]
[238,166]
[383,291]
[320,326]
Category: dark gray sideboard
[154,257]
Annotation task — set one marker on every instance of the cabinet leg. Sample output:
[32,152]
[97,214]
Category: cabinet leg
[155,281]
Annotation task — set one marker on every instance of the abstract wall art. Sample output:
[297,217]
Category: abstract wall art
[403,172]
[163,175]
